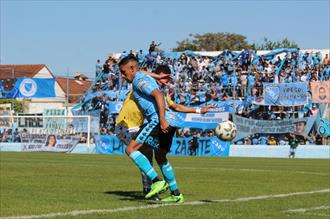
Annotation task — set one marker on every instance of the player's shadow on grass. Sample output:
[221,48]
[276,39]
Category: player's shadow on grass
[127,195]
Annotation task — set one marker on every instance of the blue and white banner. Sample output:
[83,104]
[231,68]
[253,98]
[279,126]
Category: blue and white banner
[34,88]
[49,142]
[206,146]
[247,127]
[271,54]
[208,120]
[285,94]
[224,106]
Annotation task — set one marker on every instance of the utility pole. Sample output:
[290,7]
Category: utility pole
[67,93]
[13,99]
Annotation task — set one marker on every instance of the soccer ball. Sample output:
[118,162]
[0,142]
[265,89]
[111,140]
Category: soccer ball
[226,131]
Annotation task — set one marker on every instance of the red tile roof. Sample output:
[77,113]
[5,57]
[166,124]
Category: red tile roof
[76,87]
[20,70]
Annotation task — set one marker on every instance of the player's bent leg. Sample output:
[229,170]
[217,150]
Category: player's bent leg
[140,160]
[146,182]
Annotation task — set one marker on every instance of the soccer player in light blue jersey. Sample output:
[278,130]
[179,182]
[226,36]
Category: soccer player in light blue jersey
[151,102]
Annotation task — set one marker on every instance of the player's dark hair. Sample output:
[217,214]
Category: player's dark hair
[163,69]
[127,59]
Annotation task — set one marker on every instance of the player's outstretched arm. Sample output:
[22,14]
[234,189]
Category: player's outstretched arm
[158,76]
[181,108]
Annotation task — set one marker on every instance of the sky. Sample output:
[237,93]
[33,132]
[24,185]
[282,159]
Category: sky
[69,36]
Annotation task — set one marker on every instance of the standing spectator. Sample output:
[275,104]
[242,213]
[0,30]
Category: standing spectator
[17,137]
[98,67]
[326,60]
[153,46]
[194,146]
[245,59]
[106,67]
[243,80]
[251,81]
[140,56]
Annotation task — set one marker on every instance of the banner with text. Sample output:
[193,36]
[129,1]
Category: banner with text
[208,120]
[285,94]
[224,105]
[246,126]
[48,143]
[206,146]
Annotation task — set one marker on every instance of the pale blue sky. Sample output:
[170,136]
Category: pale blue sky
[74,34]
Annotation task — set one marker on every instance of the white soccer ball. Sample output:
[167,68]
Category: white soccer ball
[226,131]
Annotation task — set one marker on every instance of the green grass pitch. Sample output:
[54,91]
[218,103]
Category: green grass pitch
[50,185]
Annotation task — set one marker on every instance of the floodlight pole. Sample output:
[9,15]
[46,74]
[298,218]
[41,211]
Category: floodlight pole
[13,100]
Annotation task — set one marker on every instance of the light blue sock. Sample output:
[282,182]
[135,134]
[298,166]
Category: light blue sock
[143,164]
[168,174]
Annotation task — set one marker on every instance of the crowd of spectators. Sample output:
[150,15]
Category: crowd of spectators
[228,76]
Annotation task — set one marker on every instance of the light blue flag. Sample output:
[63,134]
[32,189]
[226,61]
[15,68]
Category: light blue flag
[285,94]
[34,88]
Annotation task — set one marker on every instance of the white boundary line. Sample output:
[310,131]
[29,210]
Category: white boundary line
[133,208]
[251,170]
[303,210]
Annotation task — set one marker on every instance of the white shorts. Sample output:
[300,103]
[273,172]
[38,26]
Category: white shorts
[126,134]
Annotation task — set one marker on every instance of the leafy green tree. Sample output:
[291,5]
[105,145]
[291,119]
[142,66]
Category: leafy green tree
[270,45]
[18,106]
[213,42]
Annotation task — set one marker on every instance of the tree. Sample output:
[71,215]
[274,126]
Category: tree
[18,106]
[213,42]
[270,45]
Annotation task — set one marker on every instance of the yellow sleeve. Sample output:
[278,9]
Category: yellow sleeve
[169,101]
[130,116]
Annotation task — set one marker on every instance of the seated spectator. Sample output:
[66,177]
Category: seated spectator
[272,141]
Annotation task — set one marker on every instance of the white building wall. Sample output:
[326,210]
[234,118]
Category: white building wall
[38,105]
[43,73]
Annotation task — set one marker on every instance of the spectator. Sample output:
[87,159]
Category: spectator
[152,47]
[98,68]
[272,141]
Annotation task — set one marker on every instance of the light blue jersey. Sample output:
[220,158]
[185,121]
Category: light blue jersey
[143,86]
